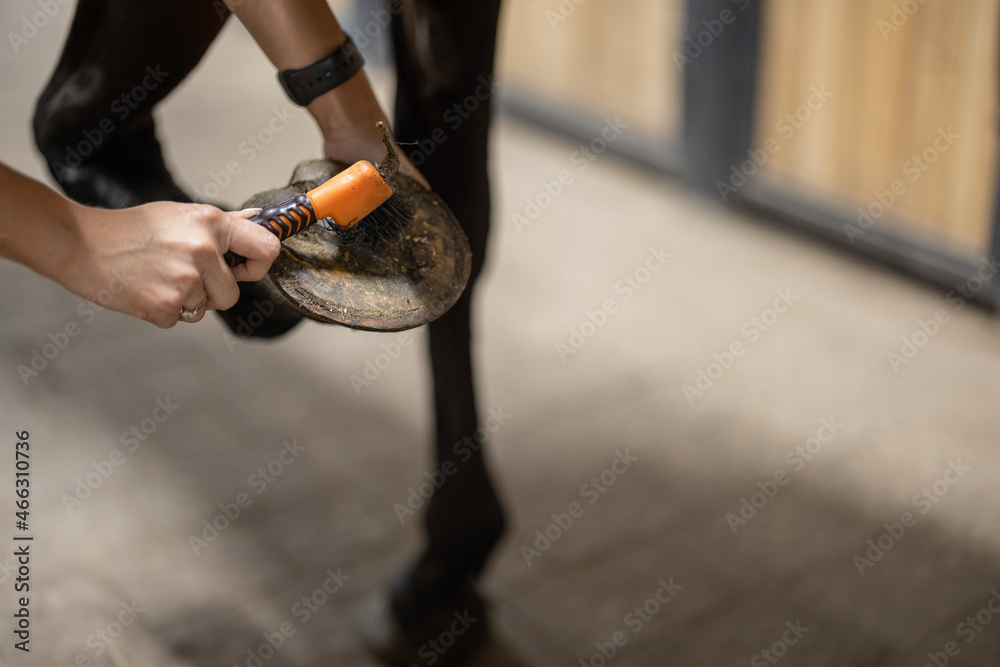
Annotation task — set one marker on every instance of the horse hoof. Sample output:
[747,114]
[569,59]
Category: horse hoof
[446,633]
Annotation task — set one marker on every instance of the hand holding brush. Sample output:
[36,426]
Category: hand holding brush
[358,201]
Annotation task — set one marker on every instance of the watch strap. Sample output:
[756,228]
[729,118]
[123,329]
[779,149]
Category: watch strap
[306,84]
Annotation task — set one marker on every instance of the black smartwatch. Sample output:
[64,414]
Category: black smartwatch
[304,85]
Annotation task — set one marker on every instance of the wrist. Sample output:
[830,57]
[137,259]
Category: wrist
[350,108]
[63,251]
[46,243]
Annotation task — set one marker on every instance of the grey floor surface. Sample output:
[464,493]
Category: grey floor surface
[820,370]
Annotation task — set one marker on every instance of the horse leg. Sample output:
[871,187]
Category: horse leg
[444,55]
[94,124]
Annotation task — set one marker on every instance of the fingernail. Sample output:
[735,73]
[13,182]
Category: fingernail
[251,210]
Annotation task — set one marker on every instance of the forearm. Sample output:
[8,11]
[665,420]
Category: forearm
[292,33]
[296,33]
[39,226]
[149,261]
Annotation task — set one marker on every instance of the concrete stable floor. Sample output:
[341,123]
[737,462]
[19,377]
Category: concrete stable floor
[739,524]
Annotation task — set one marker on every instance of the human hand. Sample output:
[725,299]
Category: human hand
[351,143]
[348,118]
[153,260]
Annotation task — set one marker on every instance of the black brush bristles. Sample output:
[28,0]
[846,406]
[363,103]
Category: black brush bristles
[379,226]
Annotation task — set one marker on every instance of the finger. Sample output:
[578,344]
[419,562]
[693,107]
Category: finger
[220,286]
[199,314]
[162,321]
[159,305]
[219,281]
[214,282]
[254,242]
[195,306]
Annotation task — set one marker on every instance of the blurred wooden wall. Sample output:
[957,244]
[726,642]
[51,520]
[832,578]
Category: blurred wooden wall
[602,57]
[894,84]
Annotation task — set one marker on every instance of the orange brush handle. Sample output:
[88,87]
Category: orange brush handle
[346,198]
[350,195]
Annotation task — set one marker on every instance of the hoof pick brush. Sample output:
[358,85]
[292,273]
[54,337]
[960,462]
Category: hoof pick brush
[357,205]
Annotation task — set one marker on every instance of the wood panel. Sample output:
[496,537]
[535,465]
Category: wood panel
[896,86]
[598,56]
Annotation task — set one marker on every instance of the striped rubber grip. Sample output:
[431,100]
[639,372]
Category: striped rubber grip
[282,220]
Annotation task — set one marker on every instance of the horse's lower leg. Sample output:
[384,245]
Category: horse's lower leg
[464,518]
[444,56]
